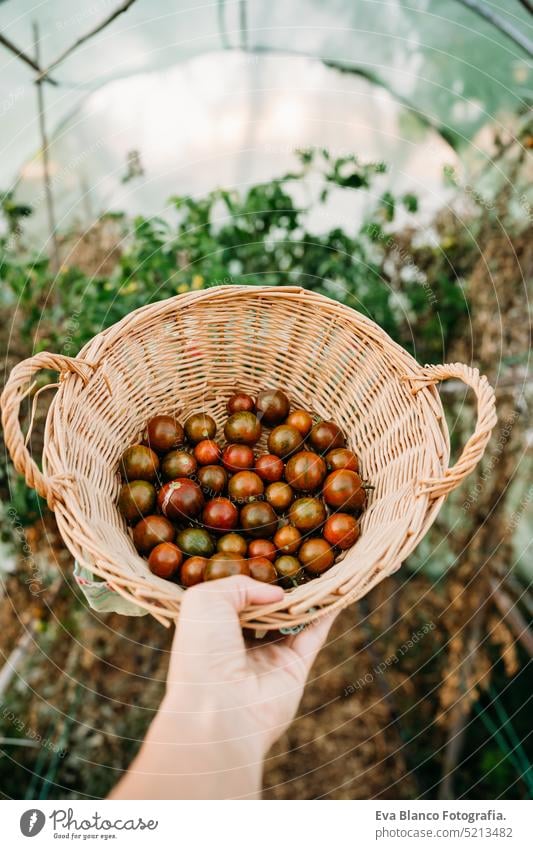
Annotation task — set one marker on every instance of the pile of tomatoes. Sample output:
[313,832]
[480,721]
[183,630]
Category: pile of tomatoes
[200,510]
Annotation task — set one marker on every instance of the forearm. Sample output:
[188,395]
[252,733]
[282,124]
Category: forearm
[193,758]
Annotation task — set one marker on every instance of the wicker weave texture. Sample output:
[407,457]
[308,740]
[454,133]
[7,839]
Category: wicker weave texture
[189,353]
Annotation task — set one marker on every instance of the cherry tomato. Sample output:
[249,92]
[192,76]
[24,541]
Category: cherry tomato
[301,420]
[289,570]
[272,406]
[243,428]
[341,530]
[150,531]
[245,486]
[262,569]
[164,433]
[240,403]
[222,565]
[200,426]
[192,571]
[259,519]
[269,468]
[136,499]
[220,514]
[316,555]
[262,548]
[279,495]
[232,544]
[139,463]
[195,542]
[305,471]
[307,514]
[178,464]
[207,452]
[325,436]
[180,499]
[284,440]
[343,489]
[165,560]
[238,458]
[213,480]
[288,539]
[342,458]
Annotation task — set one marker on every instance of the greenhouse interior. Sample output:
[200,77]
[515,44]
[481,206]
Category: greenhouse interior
[376,153]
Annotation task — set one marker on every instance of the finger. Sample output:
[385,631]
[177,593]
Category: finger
[209,616]
[308,642]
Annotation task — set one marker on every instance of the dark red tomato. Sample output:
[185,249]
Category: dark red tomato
[288,567]
[279,495]
[301,420]
[139,463]
[262,548]
[178,464]
[238,458]
[136,500]
[164,433]
[307,514]
[232,544]
[284,440]
[192,571]
[341,530]
[220,514]
[258,519]
[195,542]
[240,403]
[288,539]
[305,471]
[165,560]
[150,531]
[222,565]
[325,436]
[245,486]
[243,428]
[342,458]
[180,499]
[316,555]
[262,569]
[207,453]
[272,406]
[213,480]
[343,489]
[200,426]
[269,468]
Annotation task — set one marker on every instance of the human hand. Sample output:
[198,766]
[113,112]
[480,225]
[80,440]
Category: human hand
[226,702]
[249,692]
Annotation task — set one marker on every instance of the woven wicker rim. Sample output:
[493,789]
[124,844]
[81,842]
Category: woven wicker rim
[200,346]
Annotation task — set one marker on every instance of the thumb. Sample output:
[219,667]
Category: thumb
[308,642]
[209,618]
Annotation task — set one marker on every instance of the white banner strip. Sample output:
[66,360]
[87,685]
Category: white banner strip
[309,824]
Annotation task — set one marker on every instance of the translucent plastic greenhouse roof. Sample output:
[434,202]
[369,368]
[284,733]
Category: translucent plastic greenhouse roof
[455,68]
[221,93]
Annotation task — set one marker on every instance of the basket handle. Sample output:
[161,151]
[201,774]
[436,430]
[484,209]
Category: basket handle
[16,389]
[486,419]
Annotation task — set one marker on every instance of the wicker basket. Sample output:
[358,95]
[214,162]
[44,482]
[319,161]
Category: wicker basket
[189,353]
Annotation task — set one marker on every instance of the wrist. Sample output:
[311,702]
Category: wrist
[204,753]
[201,716]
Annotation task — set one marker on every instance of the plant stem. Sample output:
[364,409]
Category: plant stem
[98,28]
[46,162]
[24,56]
[457,732]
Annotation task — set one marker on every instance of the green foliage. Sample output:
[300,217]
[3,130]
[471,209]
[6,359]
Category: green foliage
[23,507]
[258,237]
[13,212]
